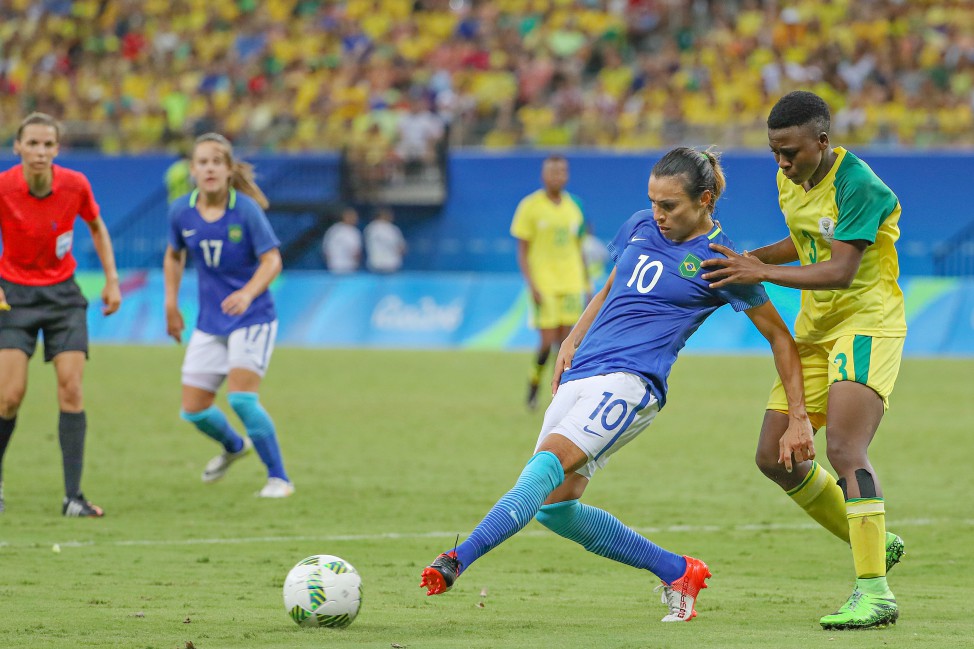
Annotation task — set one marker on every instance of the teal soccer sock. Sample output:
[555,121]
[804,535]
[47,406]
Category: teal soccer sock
[515,509]
[260,429]
[213,423]
[603,534]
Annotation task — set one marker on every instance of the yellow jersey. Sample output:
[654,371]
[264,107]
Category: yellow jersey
[554,234]
[851,203]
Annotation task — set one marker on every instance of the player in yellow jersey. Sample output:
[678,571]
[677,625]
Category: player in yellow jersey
[843,224]
[549,226]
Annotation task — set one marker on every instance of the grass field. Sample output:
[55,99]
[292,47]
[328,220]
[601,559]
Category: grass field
[394,453]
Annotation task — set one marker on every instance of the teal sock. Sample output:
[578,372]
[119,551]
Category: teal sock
[213,423]
[260,429]
[515,509]
[603,534]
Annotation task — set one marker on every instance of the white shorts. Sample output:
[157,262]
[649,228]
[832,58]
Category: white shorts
[210,358]
[600,415]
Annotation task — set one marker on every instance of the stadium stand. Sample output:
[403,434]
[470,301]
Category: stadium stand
[294,75]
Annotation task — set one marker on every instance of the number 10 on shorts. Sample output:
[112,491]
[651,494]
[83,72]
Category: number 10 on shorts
[610,420]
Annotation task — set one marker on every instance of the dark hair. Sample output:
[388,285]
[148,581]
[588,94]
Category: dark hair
[701,171]
[800,108]
[556,157]
[242,173]
[39,118]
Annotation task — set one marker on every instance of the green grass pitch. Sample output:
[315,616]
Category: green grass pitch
[394,453]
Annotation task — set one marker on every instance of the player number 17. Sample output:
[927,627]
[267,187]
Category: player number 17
[211,251]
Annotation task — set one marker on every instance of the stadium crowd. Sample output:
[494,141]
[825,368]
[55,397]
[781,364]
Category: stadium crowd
[137,75]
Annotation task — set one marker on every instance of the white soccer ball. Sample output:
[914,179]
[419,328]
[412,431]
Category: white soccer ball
[323,590]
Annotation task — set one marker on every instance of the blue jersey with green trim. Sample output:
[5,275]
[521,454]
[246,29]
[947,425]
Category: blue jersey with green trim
[226,253]
[656,302]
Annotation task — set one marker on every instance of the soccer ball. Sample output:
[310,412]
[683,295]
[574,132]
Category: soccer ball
[323,590]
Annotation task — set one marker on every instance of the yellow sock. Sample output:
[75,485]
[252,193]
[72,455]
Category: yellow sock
[821,497]
[867,534]
[535,376]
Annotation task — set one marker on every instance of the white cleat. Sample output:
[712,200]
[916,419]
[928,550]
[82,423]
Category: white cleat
[276,488]
[217,467]
[681,595]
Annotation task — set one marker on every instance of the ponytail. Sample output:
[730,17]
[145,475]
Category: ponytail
[242,179]
[701,171]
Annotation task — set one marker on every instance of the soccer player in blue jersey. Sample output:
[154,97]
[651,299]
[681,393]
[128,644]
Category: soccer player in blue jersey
[610,382]
[222,226]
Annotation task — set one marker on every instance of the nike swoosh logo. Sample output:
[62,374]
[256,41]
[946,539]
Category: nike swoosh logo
[637,239]
[590,431]
[188,233]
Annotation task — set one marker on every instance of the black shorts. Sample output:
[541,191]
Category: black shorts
[58,310]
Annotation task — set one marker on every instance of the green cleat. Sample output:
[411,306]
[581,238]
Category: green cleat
[863,611]
[895,549]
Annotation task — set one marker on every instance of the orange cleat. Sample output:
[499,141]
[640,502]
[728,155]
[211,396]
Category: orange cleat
[439,576]
[680,595]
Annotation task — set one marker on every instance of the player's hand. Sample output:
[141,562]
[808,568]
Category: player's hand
[735,269]
[798,442]
[175,324]
[111,296]
[3,301]
[236,303]
[564,362]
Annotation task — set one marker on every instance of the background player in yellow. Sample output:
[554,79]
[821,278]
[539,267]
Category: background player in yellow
[549,226]
[843,224]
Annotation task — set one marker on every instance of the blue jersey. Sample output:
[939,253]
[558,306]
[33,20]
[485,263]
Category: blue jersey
[656,302]
[226,254]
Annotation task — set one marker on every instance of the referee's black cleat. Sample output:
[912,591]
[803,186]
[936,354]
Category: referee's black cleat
[78,507]
[439,576]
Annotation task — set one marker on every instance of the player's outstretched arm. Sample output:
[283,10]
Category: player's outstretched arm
[523,246]
[831,274]
[111,295]
[173,263]
[798,438]
[779,252]
[269,267]
[567,351]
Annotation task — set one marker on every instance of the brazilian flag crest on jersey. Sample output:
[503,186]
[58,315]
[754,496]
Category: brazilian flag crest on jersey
[690,266]
[235,233]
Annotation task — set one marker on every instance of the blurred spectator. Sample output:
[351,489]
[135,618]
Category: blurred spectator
[384,243]
[370,160]
[420,132]
[342,244]
[177,177]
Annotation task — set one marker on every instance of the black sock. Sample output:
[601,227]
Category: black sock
[71,433]
[6,432]
[539,362]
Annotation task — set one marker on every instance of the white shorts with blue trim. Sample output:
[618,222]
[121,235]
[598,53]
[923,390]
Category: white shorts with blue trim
[210,358]
[600,414]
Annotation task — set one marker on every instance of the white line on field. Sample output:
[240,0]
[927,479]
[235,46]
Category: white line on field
[679,529]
